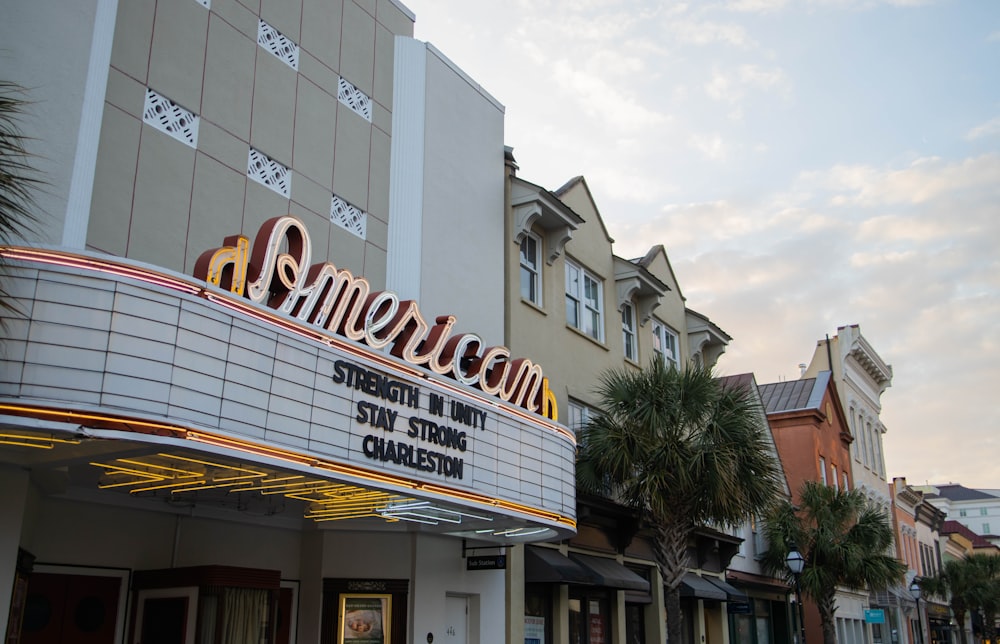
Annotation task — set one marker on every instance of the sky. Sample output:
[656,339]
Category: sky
[807,164]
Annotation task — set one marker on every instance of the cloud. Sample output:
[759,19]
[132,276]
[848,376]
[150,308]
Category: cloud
[989,128]
[926,179]
[732,86]
[610,104]
[704,32]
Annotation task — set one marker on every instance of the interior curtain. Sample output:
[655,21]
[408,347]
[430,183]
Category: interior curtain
[245,617]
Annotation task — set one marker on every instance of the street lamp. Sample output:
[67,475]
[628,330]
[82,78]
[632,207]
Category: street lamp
[796,562]
[915,591]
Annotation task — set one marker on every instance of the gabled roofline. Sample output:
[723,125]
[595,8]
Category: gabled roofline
[648,258]
[566,187]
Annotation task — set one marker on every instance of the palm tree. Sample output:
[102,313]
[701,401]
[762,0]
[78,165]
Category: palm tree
[684,450]
[18,180]
[845,542]
[967,584]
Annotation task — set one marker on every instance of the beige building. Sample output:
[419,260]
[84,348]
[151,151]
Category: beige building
[583,310]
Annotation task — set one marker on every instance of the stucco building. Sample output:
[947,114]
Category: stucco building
[813,440]
[218,419]
[582,310]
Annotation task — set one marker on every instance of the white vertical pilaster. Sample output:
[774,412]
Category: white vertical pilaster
[406,168]
[81,186]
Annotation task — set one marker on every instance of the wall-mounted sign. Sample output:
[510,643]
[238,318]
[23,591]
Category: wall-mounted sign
[487,562]
[279,274]
[874,616]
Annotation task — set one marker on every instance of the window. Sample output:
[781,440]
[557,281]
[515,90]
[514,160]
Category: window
[983,512]
[579,416]
[854,433]
[665,344]
[962,513]
[822,470]
[628,331]
[986,528]
[584,302]
[836,481]
[846,486]
[531,286]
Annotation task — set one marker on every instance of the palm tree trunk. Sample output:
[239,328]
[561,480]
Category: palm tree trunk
[827,611]
[960,618]
[671,555]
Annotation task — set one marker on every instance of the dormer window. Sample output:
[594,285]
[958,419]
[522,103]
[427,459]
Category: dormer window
[531,284]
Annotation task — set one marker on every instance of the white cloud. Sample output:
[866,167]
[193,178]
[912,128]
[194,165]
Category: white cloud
[705,32]
[733,85]
[924,180]
[989,128]
[610,104]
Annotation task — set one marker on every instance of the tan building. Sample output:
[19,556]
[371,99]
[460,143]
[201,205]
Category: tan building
[584,310]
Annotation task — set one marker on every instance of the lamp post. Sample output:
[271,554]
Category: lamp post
[796,562]
[915,591]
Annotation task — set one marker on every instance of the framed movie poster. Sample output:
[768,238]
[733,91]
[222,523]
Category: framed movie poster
[364,619]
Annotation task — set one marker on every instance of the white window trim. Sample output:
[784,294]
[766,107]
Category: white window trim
[661,332]
[580,301]
[628,332]
[535,270]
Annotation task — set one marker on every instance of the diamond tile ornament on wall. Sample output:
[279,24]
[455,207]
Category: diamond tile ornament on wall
[270,39]
[269,172]
[355,99]
[348,217]
[170,118]
[205,3]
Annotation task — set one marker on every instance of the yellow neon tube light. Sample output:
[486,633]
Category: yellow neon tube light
[293,457]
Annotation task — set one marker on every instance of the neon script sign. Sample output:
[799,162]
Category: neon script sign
[278,274]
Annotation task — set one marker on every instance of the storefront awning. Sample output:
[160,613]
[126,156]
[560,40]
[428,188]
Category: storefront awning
[611,573]
[545,565]
[733,594]
[694,586]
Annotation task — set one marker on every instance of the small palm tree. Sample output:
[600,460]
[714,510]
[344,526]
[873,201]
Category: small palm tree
[18,179]
[845,542]
[683,449]
[967,584]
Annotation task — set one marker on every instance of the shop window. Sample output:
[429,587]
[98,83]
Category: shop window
[635,624]
[537,614]
[531,285]
[584,302]
[628,331]
[665,344]
[589,619]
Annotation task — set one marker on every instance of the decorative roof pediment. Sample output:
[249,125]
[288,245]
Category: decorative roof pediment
[871,363]
[633,282]
[534,206]
[705,338]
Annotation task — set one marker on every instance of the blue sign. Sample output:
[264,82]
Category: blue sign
[874,616]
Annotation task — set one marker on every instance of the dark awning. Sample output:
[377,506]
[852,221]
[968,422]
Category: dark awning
[546,565]
[611,573]
[733,594]
[694,586]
